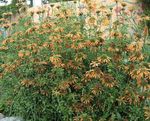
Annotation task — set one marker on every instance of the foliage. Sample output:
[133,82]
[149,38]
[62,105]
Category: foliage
[146,1]
[9,8]
[146,5]
[146,8]
[67,68]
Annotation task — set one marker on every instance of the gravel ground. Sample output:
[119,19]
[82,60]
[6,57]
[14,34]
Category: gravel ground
[3,118]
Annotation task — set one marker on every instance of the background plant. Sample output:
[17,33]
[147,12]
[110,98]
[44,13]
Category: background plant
[9,8]
[146,8]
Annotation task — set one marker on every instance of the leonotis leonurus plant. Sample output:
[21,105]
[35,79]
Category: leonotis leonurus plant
[68,69]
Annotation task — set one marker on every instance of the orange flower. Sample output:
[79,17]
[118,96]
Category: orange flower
[131,8]
[56,60]
[105,22]
[77,107]
[92,6]
[138,56]
[20,54]
[94,64]
[27,53]
[108,80]
[44,92]
[77,36]
[11,40]
[3,48]
[4,42]
[71,65]
[64,85]
[139,45]
[80,57]
[103,9]
[91,21]
[97,89]
[86,99]
[93,73]
[147,113]
[131,47]
[77,46]
[140,74]
[27,83]
[103,59]
[147,18]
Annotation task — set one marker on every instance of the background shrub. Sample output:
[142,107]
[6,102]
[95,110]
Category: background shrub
[9,8]
[146,8]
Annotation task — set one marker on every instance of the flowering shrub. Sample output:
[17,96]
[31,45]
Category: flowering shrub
[69,68]
[15,7]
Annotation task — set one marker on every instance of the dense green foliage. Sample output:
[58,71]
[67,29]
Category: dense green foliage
[146,8]
[146,1]
[9,8]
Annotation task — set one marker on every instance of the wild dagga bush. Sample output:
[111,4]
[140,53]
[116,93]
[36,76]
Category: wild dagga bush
[68,69]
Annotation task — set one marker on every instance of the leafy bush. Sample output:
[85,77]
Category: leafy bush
[146,1]
[146,8]
[67,69]
[9,8]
